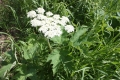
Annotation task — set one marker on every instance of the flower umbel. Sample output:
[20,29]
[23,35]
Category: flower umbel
[49,13]
[69,28]
[40,10]
[35,22]
[31,14]
[49,24]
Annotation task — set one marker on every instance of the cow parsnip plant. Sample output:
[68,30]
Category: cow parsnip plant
[87,49]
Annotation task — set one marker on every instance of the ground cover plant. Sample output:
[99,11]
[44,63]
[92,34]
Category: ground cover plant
[60,40]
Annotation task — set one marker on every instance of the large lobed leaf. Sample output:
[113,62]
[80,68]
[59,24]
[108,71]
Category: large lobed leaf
[60,57]
[55,59]
[79,33]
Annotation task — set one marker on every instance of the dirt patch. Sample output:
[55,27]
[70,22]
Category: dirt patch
[4,42]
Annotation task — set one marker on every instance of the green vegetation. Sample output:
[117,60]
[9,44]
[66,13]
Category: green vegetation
[91,52]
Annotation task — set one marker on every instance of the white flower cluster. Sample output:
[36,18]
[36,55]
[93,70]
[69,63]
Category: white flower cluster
[50,24]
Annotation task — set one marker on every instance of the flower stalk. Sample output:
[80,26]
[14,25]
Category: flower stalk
[49,45]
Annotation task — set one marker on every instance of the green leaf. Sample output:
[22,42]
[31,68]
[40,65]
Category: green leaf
[57,39]
[78,33]
[10,55]
[29,49]
[22,77]
[26,55]
[4,69]
[66,60]
[55,59]
[60,57]
[32,48]
[24,72]
[109,28]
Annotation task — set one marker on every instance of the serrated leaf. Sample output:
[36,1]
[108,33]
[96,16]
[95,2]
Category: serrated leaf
[29,50]
[78,33]
[66,60]
[60,56]
[32,49]
[55,59]
[25,72]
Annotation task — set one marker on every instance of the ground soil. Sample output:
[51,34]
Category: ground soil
[3,43]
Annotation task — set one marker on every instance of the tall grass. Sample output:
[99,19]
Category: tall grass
[91,53]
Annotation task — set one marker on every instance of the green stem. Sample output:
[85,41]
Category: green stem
[49,45]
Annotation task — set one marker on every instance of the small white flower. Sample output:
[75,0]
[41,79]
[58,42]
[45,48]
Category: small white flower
[49,13]
[69,28]
[50,31]
[63,23]
[59,33]
[57,21]
[40,10]
[53,24]
[43,23]
[41,16]
[53,27]
[56,16]
[31,14]
[51,19]
[49,34]
[53,33]
[35,22]
[64,19]
[43,29]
